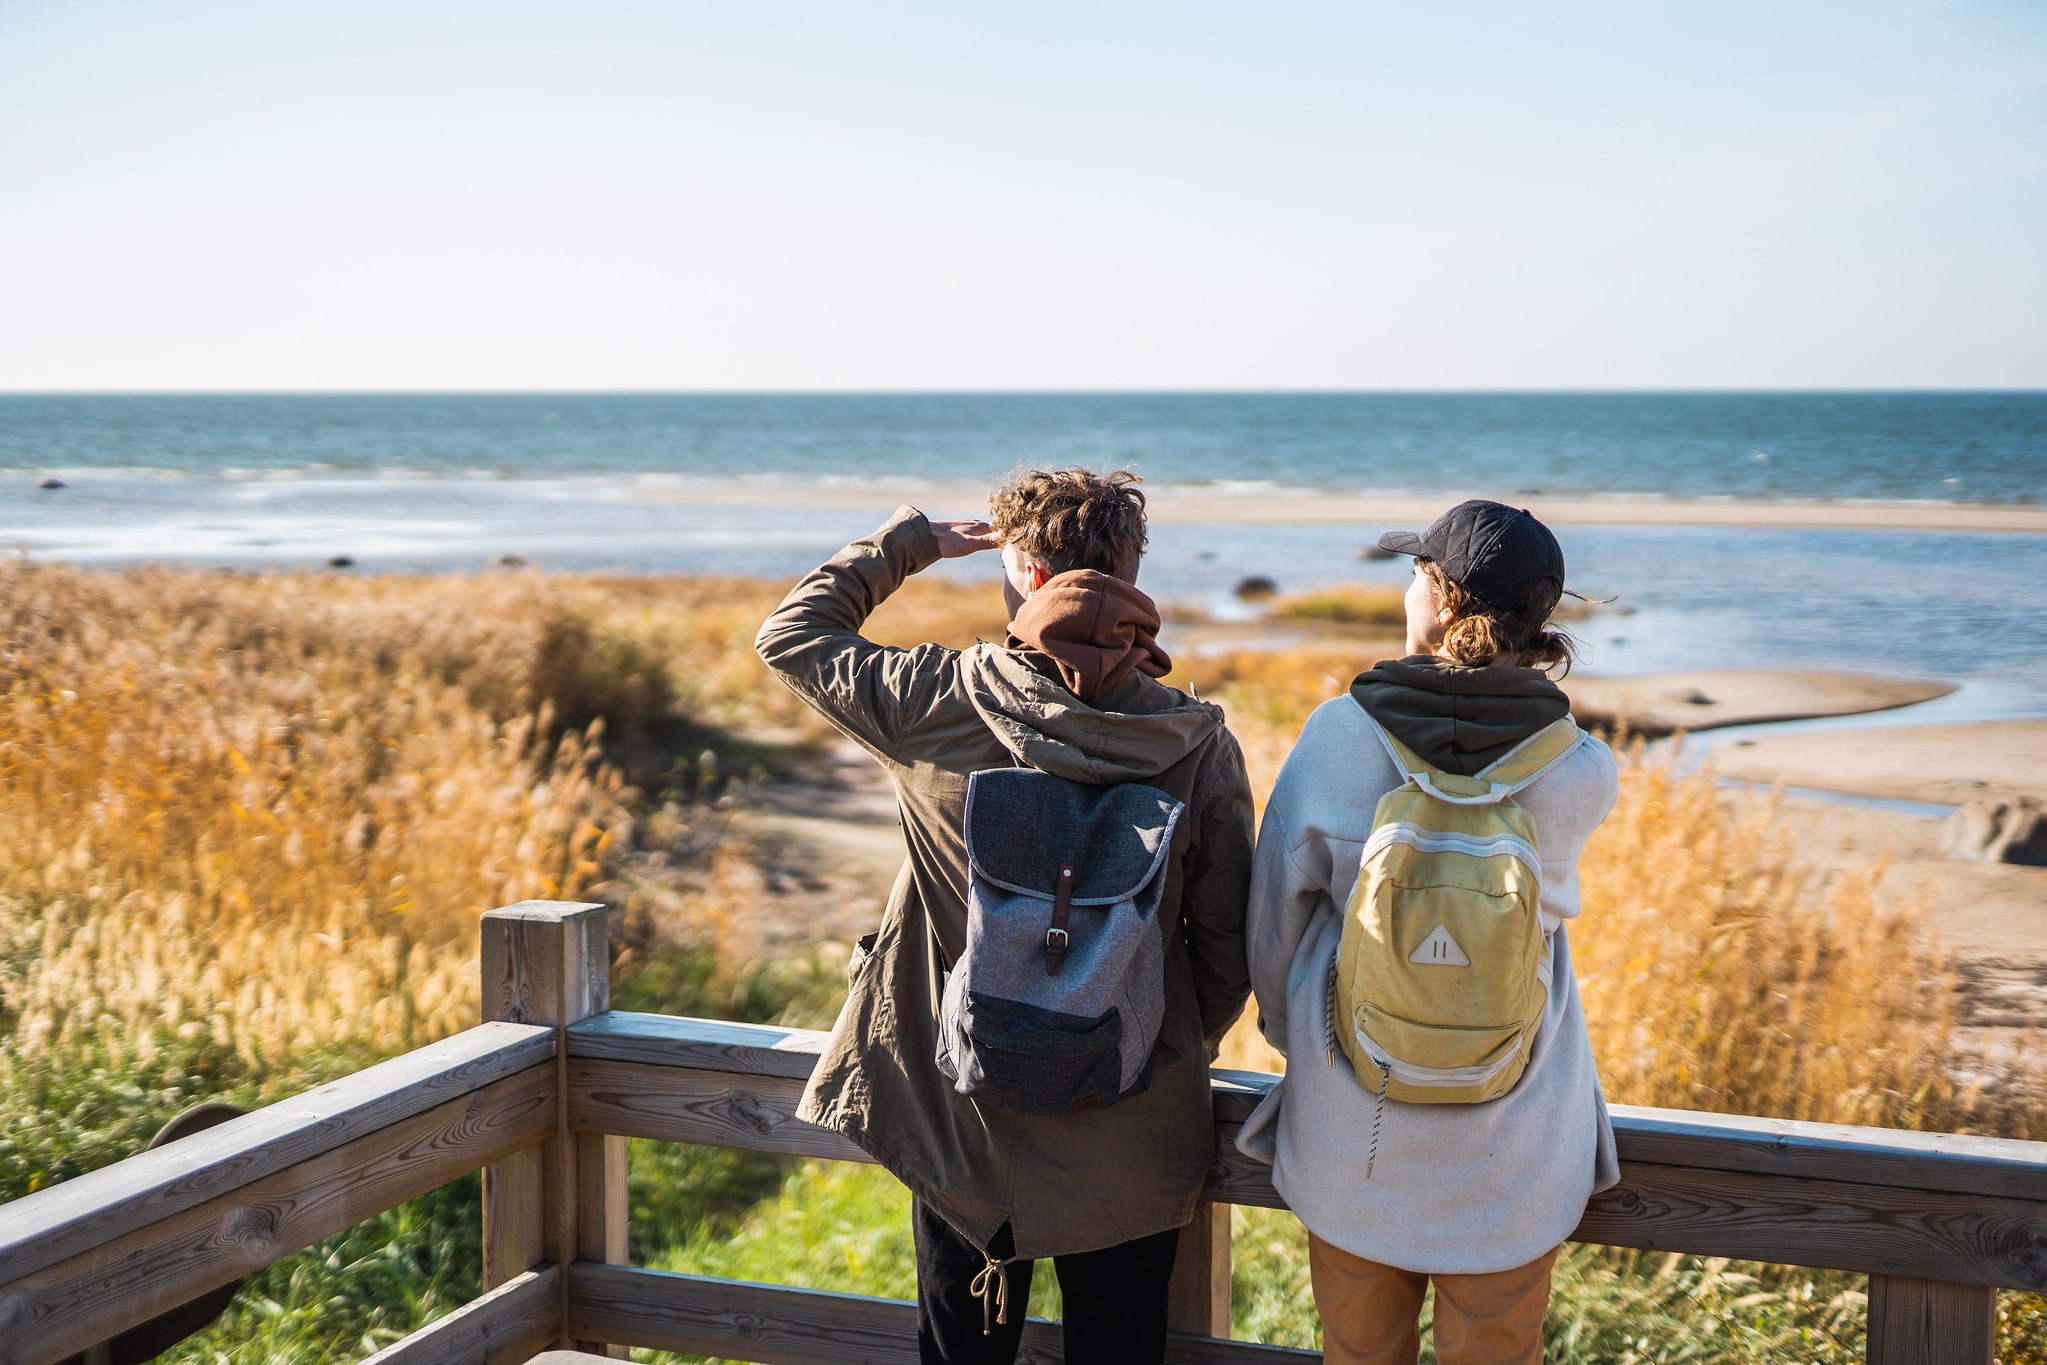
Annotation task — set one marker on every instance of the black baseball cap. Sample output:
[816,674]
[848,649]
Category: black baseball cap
[1489,549]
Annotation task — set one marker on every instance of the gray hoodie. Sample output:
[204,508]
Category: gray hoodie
[932,717]
[1456,1188]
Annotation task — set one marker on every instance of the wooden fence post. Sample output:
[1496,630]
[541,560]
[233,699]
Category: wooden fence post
[562,1200]
[1198,1300]
[1930,1322]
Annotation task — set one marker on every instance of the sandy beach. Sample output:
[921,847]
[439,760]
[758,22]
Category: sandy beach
[1657,704]
[1225,505]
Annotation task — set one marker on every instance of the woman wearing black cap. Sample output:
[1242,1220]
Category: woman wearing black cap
[1476,1196]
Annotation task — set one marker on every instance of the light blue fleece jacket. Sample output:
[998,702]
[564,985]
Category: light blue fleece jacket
[1456,1188]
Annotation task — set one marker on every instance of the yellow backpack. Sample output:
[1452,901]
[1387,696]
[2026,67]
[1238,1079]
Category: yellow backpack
[1441,977]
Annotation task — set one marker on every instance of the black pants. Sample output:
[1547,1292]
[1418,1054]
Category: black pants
[1115,1298]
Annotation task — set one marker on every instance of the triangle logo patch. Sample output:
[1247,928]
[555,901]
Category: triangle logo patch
[1439,950]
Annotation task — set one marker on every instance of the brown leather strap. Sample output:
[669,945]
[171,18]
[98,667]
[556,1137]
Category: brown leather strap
[1056,938]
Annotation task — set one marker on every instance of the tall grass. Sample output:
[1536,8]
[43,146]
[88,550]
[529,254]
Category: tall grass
[267,811]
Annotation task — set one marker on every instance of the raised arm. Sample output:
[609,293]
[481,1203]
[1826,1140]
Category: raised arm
[813,641]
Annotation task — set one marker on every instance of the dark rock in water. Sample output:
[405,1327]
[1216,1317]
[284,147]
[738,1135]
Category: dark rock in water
[1375,552]
[341,562]
[53,482]
[508,561]
[1999,830]
[1254,588]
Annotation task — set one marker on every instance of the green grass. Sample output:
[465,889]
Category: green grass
[844,1227]
[356,1293]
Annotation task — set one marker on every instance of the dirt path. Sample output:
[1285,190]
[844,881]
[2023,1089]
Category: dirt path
[829,830]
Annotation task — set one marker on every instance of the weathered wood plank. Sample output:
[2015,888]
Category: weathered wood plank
[702,1044]
[1753,1216]
[1877,1229]
[514,1216]
[602,1203]
[88,1298]
[1957,1163]
[1666,1137]
[778,1325]
[601,1210]
[1234,1178]
[1237,1093]
[546,962]
[68,1219]
[503,1327]
[718,1109]
[1198,1299]
[1923,1322]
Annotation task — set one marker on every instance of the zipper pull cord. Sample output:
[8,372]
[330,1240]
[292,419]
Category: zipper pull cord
[1329,1015]
[1378,1113]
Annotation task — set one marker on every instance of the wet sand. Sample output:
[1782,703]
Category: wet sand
[1256,506]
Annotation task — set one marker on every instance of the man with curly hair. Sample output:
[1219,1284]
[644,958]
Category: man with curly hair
[1073,691]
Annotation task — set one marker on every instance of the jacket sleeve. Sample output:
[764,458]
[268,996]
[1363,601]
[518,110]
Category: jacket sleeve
[1218,876]
[813,643]
[1286,890]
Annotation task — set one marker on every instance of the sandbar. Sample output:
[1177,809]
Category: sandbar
[1657,704]
[1222,505]
[1942,764]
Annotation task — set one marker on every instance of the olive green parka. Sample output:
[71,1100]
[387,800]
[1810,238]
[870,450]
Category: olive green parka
[932,717]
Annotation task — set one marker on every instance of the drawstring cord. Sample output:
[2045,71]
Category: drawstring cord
[1329,1015]
[1378,1113]
[991,1287]
[1385,1068]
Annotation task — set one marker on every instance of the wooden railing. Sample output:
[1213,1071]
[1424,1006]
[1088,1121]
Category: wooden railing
[545,1094]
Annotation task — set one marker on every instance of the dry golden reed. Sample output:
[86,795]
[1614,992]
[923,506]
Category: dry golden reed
[270,808]
[1720,972]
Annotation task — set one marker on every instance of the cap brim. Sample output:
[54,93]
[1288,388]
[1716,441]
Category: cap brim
[1401,543]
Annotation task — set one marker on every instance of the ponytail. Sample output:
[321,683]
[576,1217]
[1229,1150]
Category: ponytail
[1480,635]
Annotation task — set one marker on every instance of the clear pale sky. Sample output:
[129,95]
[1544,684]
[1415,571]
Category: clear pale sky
[366,195]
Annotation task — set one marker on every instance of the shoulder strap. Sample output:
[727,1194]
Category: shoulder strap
[1527,761]
[1536,755]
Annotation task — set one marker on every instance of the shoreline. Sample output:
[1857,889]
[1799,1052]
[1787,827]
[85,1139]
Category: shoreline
[1181,504]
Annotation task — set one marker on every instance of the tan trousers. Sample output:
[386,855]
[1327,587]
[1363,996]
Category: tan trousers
[1371,1313]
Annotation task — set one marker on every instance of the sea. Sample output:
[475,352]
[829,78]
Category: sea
[440,482]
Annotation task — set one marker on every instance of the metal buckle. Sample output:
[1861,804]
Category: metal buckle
[1065,939]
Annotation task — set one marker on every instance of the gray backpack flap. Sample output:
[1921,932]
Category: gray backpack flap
[1056,1003]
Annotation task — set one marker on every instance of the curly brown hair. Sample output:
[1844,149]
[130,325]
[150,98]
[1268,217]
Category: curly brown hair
[1069,519]
[1479,635]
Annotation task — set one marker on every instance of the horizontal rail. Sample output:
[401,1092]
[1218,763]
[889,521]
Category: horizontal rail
[737,1320]
[1934,1206]
[46,1227]
[506,1326]
[367,1144]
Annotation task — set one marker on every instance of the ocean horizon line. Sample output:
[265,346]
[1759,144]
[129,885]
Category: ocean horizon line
[1446,391]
